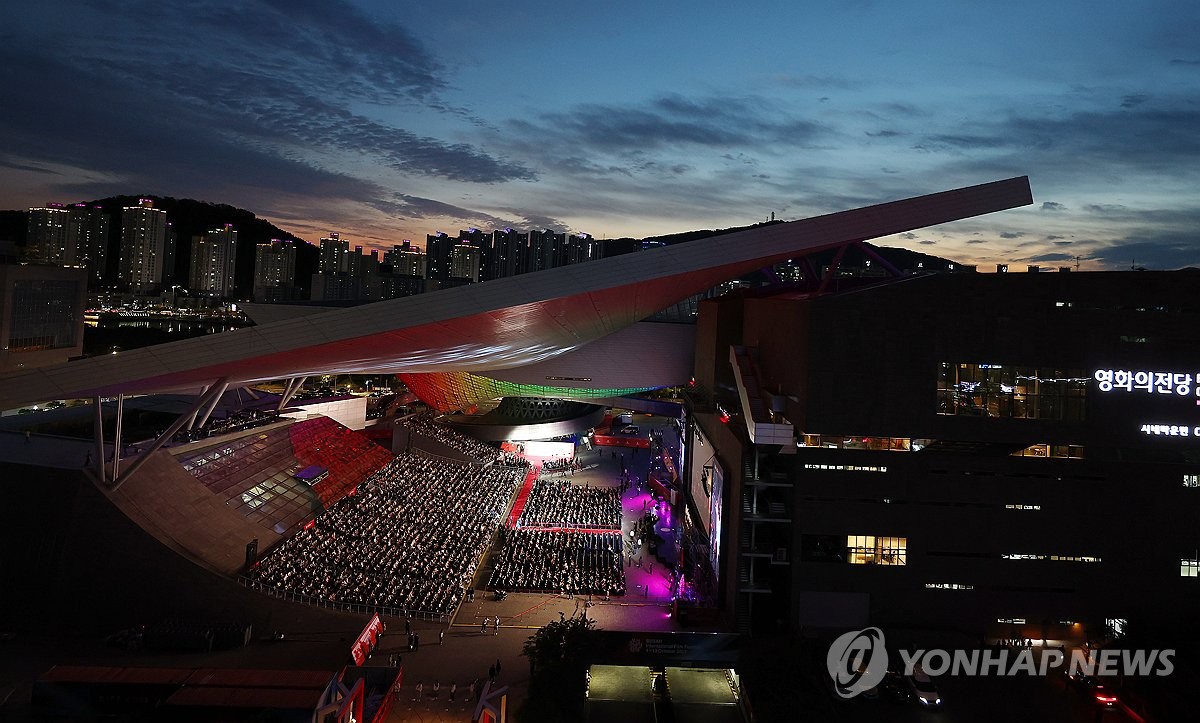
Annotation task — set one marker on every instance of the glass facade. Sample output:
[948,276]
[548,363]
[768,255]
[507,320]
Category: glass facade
[1014,392]
[1057,451]
[872,550]
[44,315]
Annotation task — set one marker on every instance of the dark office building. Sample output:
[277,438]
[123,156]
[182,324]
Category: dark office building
[1008,454]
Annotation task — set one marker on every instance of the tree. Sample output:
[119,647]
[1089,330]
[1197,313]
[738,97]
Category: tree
[559,654]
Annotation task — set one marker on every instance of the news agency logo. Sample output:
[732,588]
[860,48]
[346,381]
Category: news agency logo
[857,661]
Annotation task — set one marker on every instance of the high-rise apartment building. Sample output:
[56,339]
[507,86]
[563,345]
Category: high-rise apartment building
[464,263]
[406,260]
[437,257]
[87,239]
[360,264]
[47,234]
[581,248]
[143,245]
[334,254]
[509,255]
[274,271]
[213,258]
[546,250]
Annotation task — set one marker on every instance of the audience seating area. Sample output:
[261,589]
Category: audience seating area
[406,542]
[558,503]
[479,452]
[579,563]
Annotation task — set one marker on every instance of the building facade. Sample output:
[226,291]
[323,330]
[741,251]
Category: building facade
[1012,455]
[143,245]
[214,256]
[87,240]
[274,271]
[41,315]
[46,238]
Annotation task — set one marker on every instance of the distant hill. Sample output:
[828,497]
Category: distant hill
[189,218]
[901,258]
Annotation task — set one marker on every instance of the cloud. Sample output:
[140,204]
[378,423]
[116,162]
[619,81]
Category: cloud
[976,241]
[669,122]
[1184,61]
[1053,206]
[1011,234]
[885,133]
[928,242]
[908,235]
[1132,101]
[1051,257]
[271,87]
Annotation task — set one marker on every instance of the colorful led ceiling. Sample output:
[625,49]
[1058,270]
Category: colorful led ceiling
[501,324]
[449,391]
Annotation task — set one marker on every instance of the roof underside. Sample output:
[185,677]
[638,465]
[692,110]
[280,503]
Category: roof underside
[502,324]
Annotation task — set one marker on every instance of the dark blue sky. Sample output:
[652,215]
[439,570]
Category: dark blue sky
[388,120]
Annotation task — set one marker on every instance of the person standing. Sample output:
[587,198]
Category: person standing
[453,690]
[497,666]
[441,636]
[496,626]
[420,689]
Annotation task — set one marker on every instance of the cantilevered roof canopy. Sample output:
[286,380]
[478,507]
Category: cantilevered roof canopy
[500,324]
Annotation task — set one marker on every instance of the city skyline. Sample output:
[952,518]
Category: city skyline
[391,123]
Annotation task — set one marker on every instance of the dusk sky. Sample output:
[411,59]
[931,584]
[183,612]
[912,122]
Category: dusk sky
[392,120]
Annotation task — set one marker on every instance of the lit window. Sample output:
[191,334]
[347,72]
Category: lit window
[1188,567]
[948,586]
[872,550]
[1022,507]
[1011,621]
[1191,480]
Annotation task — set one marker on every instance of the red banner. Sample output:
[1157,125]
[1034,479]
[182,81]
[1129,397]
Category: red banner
[601,440]
[367,640]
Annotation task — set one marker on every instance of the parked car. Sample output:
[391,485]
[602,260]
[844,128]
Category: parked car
[895,689]
[923,689]
[1092,688]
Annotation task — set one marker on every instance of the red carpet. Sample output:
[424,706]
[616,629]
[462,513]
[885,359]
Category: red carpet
[523,496]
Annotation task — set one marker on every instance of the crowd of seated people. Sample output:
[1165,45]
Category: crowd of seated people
[558,503]
[423,424]
[409,538]
[577,563]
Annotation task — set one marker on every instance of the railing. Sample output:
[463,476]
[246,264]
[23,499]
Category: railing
[363,608]
[521,525]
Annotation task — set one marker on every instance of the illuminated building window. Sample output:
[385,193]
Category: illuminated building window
[1014,392]
[844,468]
[1023,507]
[1055,451]
[1011,621]
[1191,480]
[947,586]
[1188,567]
[1052,558]
[873,444]
[872,550]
